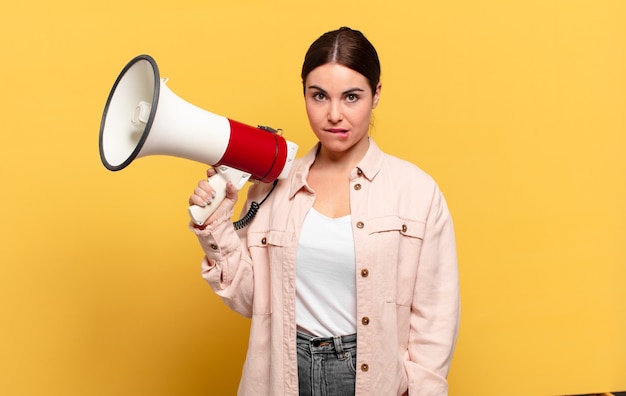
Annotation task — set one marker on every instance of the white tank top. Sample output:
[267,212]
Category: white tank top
[325,276]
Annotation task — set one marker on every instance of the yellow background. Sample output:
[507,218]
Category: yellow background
[517,108]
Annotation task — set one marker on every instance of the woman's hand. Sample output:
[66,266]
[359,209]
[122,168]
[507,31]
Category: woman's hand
[204,194]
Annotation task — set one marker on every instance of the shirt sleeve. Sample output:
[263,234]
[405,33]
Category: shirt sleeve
[226,265]
[436,306]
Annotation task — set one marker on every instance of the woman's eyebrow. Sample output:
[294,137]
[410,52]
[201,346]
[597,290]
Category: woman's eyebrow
[318,88]
[346,92]
[352,90]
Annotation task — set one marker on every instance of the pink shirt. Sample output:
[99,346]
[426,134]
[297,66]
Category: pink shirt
[406,278]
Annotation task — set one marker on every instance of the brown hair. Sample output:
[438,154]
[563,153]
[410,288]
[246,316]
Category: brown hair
[346,47]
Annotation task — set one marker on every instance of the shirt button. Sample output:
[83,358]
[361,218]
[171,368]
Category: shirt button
[404,228]
[360,224]
[365,272]
[213,246]
[365,367]
[359,171]
[264,241]
[357,187]
[365,320]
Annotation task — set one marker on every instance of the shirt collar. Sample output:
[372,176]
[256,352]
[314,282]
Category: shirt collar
[369,165]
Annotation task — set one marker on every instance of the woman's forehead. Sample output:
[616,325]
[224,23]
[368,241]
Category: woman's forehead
[333,76]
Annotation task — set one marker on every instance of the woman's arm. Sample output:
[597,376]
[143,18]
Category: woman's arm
[435,309]
[226,266]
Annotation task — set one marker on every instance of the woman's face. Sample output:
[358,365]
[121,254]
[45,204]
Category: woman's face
[339,104]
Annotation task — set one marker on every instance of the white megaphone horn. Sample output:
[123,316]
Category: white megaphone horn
[144,117]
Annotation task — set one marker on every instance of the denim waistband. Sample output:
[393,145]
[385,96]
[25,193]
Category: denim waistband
[336,344]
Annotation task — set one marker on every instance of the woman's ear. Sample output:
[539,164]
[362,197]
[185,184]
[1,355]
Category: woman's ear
[379,86]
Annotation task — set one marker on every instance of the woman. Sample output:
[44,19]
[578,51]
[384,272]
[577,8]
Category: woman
[349,270]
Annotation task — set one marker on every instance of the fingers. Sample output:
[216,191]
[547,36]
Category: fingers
[203,195]
[210,172]
[218,192]
[226,206]
[231,192]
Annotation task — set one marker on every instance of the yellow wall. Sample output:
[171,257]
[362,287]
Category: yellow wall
[517,108]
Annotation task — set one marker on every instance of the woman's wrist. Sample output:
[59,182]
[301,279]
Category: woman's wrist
[199,226]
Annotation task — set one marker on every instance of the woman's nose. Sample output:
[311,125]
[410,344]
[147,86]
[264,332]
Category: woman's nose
[334,112]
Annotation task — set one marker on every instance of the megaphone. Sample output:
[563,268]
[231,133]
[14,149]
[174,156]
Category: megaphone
[144,117]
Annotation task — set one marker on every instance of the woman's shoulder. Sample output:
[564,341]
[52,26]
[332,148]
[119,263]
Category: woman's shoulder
[403,168]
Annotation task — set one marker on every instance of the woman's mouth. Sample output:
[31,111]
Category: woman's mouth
[336,130]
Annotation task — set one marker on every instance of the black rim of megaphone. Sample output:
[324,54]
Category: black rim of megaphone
[146,131]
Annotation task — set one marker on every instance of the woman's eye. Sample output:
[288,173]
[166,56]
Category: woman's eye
[319,96]
[352,98]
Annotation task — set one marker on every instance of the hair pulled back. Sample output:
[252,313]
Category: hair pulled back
[346,47]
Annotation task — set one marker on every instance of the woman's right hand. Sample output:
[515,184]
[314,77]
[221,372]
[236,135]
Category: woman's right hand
[204,194]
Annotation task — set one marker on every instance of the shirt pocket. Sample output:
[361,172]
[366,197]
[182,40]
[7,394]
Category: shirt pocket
[265,247]
[404,227]
[396,244]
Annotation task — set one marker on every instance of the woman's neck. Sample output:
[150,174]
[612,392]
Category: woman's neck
[329,177]
[340,162]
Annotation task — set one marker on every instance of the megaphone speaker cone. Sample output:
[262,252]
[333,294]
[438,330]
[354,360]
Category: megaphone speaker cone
[120,139]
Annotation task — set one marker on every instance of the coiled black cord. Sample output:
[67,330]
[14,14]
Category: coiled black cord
[252,211]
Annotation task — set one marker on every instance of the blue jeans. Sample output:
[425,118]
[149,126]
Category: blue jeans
[326,366]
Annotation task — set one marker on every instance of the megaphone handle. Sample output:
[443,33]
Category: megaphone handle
[218,182]
[200,214]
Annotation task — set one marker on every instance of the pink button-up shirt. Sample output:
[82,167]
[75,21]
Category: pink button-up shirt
[406,278]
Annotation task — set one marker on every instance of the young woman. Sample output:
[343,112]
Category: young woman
[349,270]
